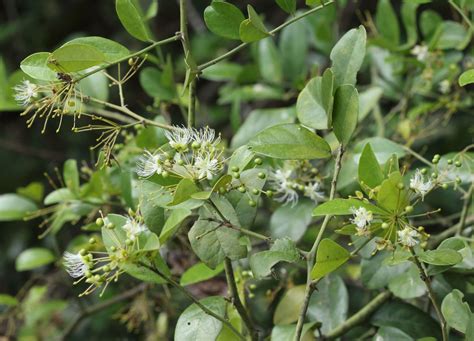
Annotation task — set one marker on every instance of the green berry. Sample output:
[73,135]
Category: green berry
[252,203]
[165,174]
[241,189]
[255,191]
[92,240]
[424,171]
[444,186]
[450,162]
[384,226]
[83,252]
[434,175]
[235,169]
[400,186]
[258,161]
[99,222]
[236,175]
[128,242]
[113,248]
[110,226]
[458,180]
[409,209]
[269,193]
[195,145]
[261,175]
[458,164]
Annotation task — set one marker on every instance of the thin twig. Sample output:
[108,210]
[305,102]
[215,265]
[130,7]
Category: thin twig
[310,285]
[234,296]
[465,209]
[427,280]
[194,299]
[272,32]
[359,317]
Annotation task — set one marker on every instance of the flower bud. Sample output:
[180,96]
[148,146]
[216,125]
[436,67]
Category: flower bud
[258,161]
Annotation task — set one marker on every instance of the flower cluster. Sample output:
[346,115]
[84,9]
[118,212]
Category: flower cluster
[296,178]
[362,219]
[193,153]
[97,268]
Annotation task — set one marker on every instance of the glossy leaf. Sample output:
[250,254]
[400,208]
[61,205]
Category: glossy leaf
[291,142]
[345,113]
[252,29]
[185,189]
[467,77]
[344,206]
[370,173]
[15,207]
[440,257]
[112,50]
[173,222]
[132,19]
[223,19]
[194,324]
[289,6]
[36,66]
[347,56]
[33,258]
[287,310]
[198,273]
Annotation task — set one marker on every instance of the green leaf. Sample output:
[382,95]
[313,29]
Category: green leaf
[15,207]
[252,29]
[329,257]
[223,71]
[290,142]
[408,284]
[440,257]
[112,50]
[370,173]
[71,176]
[75,57]
[33,258]
[347,56]
[269,61]
[451,35]
[7,300]
[291,221]
[198,273]
[194,324]
[143,273]
[173,223]
[283,250]
[294,45]
[391,333]
[36,66]
[345,113]
[330,303]
[467,77]
[390,196]
[213,242]
[288,309]
[407,318]
[289,6]
[240,158]
[456,312]
[223,18]
[157,84]
[315,101]
[258,120]
[376,273]
[368,99]
[387,22]
[132,19]
[185,189]
[343,207]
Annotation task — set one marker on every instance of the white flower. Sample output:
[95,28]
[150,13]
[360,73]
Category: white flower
[444,86]
[134,228]
[281,181]
[361,220]
[206,166]
[408,236]
[25,92]
[75,265]
[420,51]
[206,137]
[179,138]
[149,164]
[418,184]
[313,192]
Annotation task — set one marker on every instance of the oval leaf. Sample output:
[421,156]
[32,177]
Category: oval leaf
[441,257]
[33,258]
[343,207]
[345,113]
[14,207]
[467,77]
[112,50]
[290,142]
[223,19]
[329,257]
[35,66]
[132,20]
[252,29]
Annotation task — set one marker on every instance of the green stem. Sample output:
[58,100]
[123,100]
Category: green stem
[272,32]
[460,11]
[427,280]
[234,294]
[418,156]
[465,209]
[138,53]
[194,299]
[310,285]
[359,317]
[192,104]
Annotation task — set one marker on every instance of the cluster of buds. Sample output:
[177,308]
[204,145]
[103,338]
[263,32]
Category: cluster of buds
[296,178]
[191,153]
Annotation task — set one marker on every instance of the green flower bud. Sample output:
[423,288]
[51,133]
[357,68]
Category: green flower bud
[255,191]
[444,186]
[241,189]
[458,164]
[450,162]
[385,226]
[99,222]
[261,175]
[458,180]
[400,186]
[110,226]
[269,193]
[258,161]
[409,209]
[236,175]
[252,203]
[165,174]
[92,240]
[235,169]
